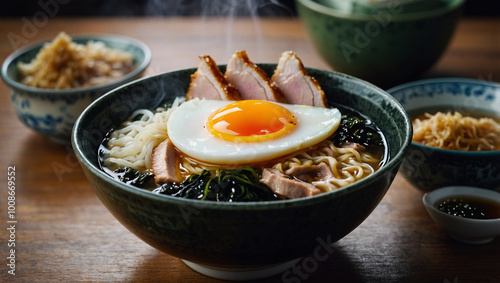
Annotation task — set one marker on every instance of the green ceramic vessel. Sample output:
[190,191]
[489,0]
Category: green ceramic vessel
[231,236]
[385,46]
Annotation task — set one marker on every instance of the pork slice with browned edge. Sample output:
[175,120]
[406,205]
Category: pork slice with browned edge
[295,84]
[250,80]
[208,82]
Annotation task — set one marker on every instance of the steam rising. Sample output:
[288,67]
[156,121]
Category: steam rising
[207,11]
[223,8]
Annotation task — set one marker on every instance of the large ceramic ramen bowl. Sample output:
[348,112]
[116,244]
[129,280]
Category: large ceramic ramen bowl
[430,168]
[385,46]
[53,112]
[239,240]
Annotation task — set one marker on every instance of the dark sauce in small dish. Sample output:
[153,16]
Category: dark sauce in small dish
[469,207]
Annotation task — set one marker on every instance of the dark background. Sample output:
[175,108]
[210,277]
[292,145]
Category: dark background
[262,8]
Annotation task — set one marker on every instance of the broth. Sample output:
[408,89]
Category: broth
[469,207]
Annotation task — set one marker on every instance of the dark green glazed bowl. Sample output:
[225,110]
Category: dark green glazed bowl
[52,112]
[385,47]
[238,234]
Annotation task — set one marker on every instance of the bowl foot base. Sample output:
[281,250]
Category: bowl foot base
[472,241]
[241,274]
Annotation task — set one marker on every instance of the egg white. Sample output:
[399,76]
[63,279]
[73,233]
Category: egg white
[187,131]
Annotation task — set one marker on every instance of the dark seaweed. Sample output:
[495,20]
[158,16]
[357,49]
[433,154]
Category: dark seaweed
[356,129]
[239,185]
[134,177]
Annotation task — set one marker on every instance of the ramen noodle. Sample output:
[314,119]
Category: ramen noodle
[457,132]
[64,64]
[132,145]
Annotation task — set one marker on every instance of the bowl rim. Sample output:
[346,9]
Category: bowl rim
[386,169]
[141,66]
[468,154]
[442,80]
[320,8]
[429,199]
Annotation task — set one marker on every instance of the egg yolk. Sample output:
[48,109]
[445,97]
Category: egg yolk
[251,121]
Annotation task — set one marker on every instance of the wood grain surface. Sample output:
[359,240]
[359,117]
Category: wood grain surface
[64,233]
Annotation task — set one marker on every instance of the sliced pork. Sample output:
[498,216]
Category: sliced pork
[250,80]
[356,146]
[208,82]
[164,163]
[282,185]
[295,84]
[310,173]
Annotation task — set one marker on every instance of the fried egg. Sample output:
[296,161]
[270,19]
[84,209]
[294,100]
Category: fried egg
[247,131]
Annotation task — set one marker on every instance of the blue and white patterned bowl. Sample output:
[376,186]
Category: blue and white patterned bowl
[431,168]
[53,112]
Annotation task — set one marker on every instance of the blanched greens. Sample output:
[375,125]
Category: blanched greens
[237,185]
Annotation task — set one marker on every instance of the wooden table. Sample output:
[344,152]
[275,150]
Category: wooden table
[64,233]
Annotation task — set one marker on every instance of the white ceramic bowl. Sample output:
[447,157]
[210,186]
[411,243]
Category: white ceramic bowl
[465,230]
[53,112]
